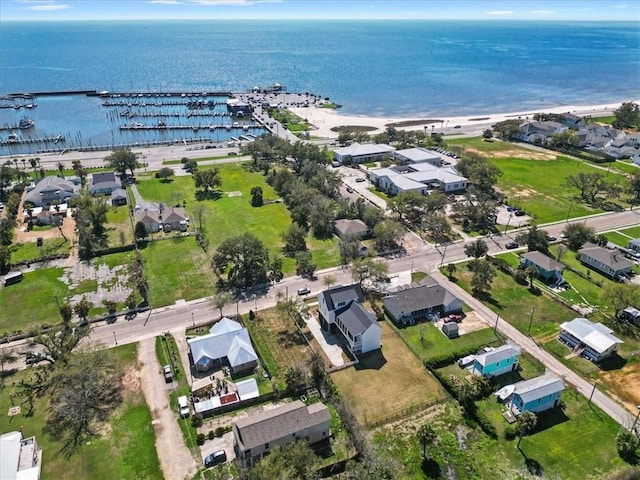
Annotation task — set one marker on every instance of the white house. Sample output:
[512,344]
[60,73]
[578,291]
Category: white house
[361,153]
[20,458]
[256,435]
[609,262]
[340,309]
[595,340]
[104,183]
[415,155]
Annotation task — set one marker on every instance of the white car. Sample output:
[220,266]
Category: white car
[183,404]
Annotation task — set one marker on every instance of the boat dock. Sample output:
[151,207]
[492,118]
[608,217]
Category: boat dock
[140,126]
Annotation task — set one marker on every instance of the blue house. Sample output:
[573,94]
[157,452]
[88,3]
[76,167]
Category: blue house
[547,268]
[497,361]
[536,395]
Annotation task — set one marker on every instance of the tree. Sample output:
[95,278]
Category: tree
[531,273]
[620,296]
[275,269]
[634,186]
[242,261]
[304,265]
[535,239]
[57,345]
[121,160]
[482,279]
[476,249]
[60,166]
[294,240]
[407,205]
[526,423]
[82,308]
[577,234]
[7,355]
[140,231]
[627,115]
[66,311]
[207,179]
[328,281]
[131,302]
[165,173]
[221,299]
[507,128]
[426,436]
[627,445]
[294,461]
[349,246]
[588,184]
[479,171]
[295,379]
[83,394]
[256,197]
[369,270]
[451,269]
[199,214]
[487,134]
[191,165]
[387,234]
[438,228]
[5,259]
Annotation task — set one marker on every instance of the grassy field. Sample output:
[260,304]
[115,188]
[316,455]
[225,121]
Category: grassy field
[29,251]
[126,450]
[429,342]
[278,343]
[32,302]
[388,384]
[118,226]
[618,238]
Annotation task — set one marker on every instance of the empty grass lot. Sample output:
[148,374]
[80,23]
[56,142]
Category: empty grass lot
[387,384]
[229,216]
[126,448]
[118,226]
[278,343]
[32,301]
[29,251]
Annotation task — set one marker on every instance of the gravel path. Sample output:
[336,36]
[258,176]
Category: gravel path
[175,459]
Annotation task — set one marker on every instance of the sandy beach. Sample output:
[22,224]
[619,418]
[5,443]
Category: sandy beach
[324,119]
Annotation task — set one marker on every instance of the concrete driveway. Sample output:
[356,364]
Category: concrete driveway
[329,343]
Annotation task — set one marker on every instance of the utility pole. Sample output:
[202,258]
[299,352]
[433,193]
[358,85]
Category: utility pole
[592,392]
[533,309]
[114,338]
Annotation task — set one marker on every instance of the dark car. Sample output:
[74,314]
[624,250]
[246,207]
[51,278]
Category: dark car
[216,458]
[168,376]
[349,189]
[511,245]
[519,213]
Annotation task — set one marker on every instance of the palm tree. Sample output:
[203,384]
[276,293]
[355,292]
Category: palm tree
[61,168]
[24,164]
[328,281]
[426,436]
[6,356]
[531,273]
[526,423]
[15,160]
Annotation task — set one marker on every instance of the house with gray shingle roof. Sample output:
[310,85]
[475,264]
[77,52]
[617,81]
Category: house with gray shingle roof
[340,310]
[547,267]
[104,183]
[536,394]
[51,190]
[347,228]
[424,300]
[608,262]
[256,435]
[150,219]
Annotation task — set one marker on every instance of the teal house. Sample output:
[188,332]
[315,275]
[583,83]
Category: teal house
[547,268]
[497,361]
[536,395]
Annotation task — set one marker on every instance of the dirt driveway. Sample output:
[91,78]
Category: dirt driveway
[176,460]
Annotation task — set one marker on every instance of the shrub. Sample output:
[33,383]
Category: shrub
[510,432]
[210,435]
[220,431]
[200,439]
[196,420]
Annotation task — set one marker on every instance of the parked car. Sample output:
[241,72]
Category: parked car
[454,317]
[511,245]
[303,291]
[183,404]
[551,238]
[519,213]
[216,458]
[168,376]
[350,189]
[361,179]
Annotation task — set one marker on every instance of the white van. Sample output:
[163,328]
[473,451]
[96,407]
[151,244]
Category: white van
[183,404]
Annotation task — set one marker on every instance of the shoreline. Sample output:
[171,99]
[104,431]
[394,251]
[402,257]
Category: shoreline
[324,119]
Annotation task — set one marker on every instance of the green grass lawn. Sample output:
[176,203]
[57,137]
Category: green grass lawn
[633,232]
[29,251]
[118,226]
[428,342]
[478,143]
[125,450]
[618,238]
[32,302]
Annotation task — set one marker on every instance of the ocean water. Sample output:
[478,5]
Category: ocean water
[386,68]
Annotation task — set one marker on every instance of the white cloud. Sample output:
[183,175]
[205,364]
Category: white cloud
[165,2]
[50,7]
[500,12]
[542,12]
[621,5]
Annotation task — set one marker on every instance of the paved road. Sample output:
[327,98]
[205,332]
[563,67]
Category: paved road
[609,406]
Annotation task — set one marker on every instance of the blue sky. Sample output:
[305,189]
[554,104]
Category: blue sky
[583,10]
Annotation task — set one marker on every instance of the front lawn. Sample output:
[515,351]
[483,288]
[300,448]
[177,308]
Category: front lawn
[125,448]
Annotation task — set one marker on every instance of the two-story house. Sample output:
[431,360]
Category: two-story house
[536,394]
[592,340]
[255,435]
[495,362]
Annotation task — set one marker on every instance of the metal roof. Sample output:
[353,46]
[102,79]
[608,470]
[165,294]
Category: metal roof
[498,354]
[594,335]
[538,387]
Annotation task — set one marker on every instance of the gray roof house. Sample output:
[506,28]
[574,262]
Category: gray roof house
[634,245]
[150,219]
[255,435]
[175,219]
[20,458]
[419,177]
[340,309]
[426,299]
[609,262]
[547,267]
[51,190]
[345,227]
[497,361]
[417,155]
[360,153]
[536,394]
[104,183]
[118,197]
[228,342]
[592,340]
